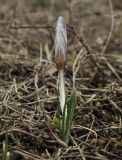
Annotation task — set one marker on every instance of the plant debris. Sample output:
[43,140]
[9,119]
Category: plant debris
[28,76]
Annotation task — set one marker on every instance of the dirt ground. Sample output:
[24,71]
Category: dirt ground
[28,79]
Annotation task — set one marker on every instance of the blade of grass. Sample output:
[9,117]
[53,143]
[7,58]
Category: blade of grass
[5,147]
[71,104]
[67,116]
[71,107]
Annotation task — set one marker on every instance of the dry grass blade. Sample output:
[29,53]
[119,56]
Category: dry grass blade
[111,28]
[113,70]
[28,76]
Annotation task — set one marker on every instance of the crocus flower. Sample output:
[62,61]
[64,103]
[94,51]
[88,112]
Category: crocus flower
[60,57]
[60,43]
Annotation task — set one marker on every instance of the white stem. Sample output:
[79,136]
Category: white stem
[61,90]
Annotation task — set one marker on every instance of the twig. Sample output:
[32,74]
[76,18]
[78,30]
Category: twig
[26,154]
[21,131]
[30,27]
[110,154]
[115,106]
[63,144]
[111,28]
[112,70]
[85,45]
[76,65]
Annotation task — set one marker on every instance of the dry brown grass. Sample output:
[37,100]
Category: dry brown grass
[28,78]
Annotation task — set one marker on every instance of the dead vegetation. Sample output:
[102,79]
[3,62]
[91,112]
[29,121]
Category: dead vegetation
[28,78]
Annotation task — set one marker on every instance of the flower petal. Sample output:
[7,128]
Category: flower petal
[60,43]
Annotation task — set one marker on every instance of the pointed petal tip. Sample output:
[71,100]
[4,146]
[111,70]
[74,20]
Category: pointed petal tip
[60,19]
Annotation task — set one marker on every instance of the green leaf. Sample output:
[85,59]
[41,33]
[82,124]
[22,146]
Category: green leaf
[66,120]
[5,146]
[71,104]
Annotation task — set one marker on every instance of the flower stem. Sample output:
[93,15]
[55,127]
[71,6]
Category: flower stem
[61,90]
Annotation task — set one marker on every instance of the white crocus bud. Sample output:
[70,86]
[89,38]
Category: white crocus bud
[60,58]
[60,43]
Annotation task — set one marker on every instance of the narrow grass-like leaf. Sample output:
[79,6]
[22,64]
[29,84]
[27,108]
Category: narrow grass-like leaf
[5,146]
[66,120]
[71,104]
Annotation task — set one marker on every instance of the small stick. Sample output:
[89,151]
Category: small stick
[82,41]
